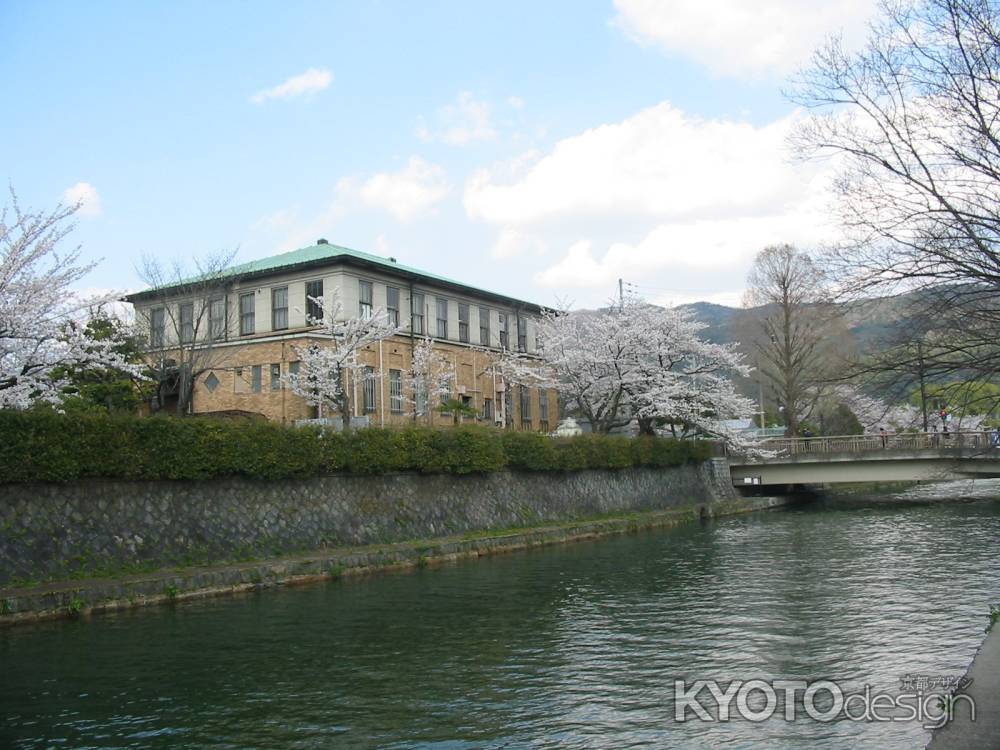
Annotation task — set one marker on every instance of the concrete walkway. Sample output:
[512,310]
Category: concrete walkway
[983,733]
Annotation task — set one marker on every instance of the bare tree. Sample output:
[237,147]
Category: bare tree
[913,122]
[791,322]
[187,314]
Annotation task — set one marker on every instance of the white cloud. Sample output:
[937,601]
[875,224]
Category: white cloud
[86,195]
[657,163]
[311,81]
[458,124]
[512,243]
[515,102]
[736,37]
[660,197]
[702,248]
[404,194]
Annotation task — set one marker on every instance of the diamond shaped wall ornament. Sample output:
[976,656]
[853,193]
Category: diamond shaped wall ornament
[211,382]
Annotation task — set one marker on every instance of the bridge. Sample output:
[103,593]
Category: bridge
[916,456]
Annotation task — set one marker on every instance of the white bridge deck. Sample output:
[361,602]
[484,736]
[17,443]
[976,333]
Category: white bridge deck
[869,458]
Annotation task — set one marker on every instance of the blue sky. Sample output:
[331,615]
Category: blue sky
[539,149]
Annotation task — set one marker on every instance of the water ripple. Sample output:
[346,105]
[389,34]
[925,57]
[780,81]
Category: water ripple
[572,647]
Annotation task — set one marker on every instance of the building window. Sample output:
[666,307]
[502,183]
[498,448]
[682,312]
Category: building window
[442,318]
[543,408]
[247,303]
[488,409]
[508,406]
[484,326]
[503,331]
[239,383]
[157,326]
[217,317]
[417,314]
[293,369]
[279,308]
[420,397]
[463,323]
[369,389]
[396,391]
[525,406]
[256,376]
[211,382]
[276,376]
[364,299]
[392,304]
[522,334]
[314,310]
[187,322]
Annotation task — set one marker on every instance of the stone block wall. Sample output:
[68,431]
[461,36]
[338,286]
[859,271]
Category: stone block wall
[111,527]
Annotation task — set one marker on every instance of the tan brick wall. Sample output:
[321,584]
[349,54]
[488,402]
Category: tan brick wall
[235,389]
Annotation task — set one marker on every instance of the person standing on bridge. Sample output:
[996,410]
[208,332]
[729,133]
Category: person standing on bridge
[885,437]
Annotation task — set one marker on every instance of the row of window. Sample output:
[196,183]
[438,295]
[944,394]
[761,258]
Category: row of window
[251,380]
[314,315]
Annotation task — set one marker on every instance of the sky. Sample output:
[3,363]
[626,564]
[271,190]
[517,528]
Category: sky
[541,150]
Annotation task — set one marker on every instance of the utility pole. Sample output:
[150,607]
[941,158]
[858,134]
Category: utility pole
[760,384]
[923,388]
[621,296]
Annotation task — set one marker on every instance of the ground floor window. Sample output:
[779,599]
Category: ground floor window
[369,389]
[396,391]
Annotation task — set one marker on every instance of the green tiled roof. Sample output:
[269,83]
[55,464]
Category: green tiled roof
[317,254]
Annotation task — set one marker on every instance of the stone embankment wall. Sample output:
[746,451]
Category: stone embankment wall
[99,528]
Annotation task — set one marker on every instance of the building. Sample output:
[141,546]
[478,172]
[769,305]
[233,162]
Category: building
[243,327]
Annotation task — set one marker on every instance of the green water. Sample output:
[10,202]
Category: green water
[575,646]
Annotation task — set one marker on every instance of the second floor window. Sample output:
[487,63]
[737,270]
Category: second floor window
[522,334]
[314,310]
[217,317]
[247,304]
[442,318]
[279,308]
[392,304]
[463,323]
[484,326]
[157,326]
[187,322]
[365,299]
[417,314]
[503,331]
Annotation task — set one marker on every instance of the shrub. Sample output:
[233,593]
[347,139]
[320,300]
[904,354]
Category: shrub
[44,446]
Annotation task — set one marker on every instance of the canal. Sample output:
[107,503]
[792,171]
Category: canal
[573,647]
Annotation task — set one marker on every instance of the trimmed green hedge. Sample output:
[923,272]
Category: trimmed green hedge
[42,446]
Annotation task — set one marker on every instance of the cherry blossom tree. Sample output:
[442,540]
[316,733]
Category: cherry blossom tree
[41,318]
[328,364]
[681,382]
[636,362]
[428,377]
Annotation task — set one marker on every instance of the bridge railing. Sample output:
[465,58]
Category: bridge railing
[906,441]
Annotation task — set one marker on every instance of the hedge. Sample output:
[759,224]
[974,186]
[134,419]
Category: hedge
[43,446]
